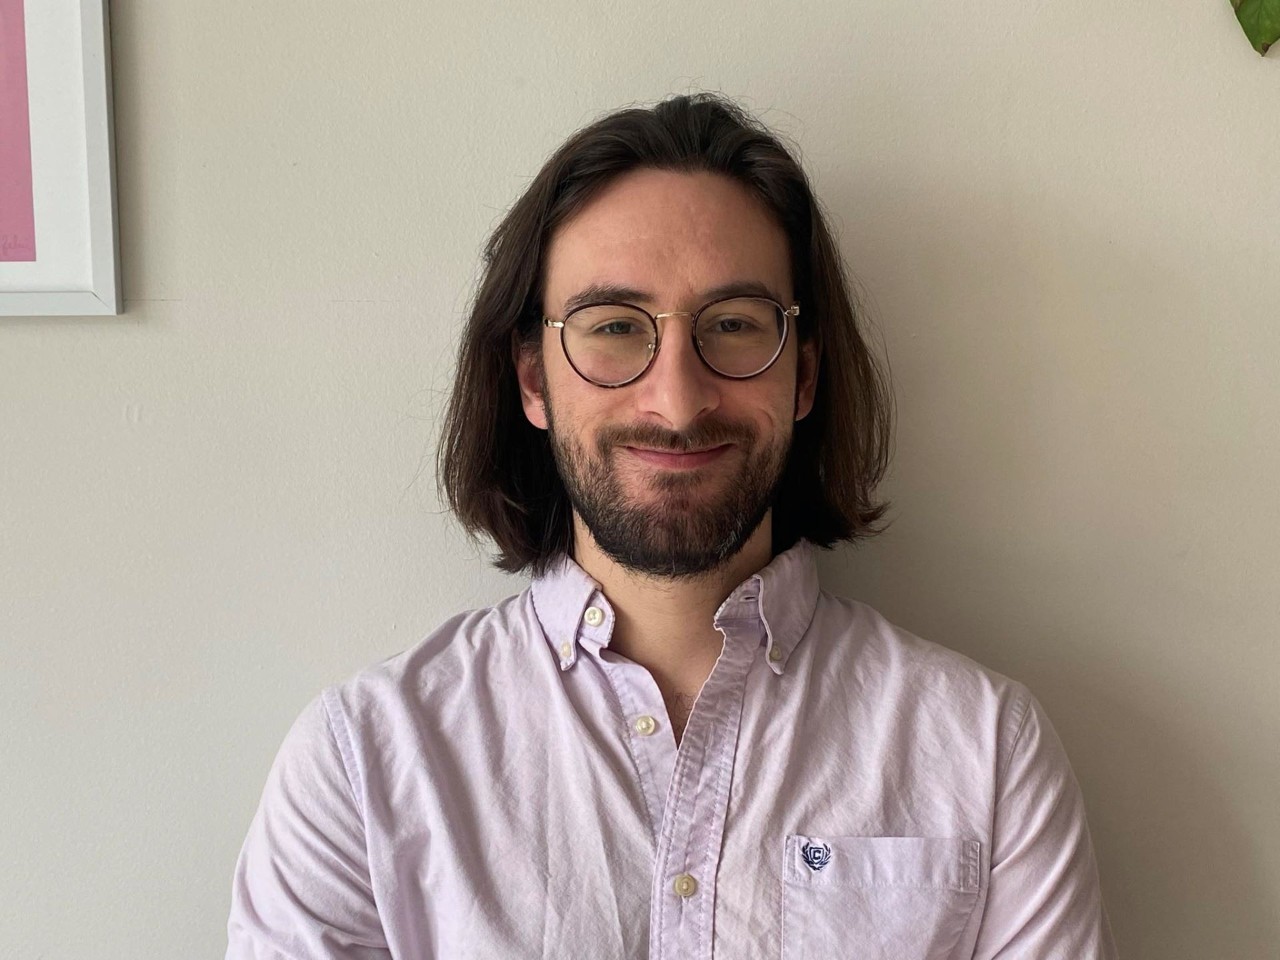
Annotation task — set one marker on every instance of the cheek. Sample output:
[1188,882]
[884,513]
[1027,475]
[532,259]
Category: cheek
[557,376]
[575,407]
[562,379]
[770,415]
[552,354]
[779,387]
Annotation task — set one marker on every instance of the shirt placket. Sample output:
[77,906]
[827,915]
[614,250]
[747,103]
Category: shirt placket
[650,741]
[688,852]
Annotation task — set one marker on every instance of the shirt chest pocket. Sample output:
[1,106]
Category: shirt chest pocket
[877,898]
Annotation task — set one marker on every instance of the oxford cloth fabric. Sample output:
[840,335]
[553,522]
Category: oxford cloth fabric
[511,788]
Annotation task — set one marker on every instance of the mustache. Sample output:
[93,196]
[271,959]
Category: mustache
[710,433]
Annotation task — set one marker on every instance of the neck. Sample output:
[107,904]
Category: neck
[667,625]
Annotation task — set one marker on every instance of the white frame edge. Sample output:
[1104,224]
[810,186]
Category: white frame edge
[104,297]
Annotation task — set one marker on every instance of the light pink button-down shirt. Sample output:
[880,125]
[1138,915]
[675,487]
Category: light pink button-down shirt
[511,788]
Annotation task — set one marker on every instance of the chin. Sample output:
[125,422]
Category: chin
[665,482]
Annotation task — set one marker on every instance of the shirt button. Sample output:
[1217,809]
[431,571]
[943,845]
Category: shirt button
[645,725]
[594,616]
[566,650]
[685,885]
[775,653]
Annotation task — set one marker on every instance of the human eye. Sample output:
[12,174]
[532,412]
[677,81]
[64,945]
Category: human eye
[610,322]
[619,327]
[732,324]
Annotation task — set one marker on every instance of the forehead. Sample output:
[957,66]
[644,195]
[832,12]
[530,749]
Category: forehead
[672,235]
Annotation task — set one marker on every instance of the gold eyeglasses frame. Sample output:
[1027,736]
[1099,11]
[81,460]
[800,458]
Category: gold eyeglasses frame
[655,343]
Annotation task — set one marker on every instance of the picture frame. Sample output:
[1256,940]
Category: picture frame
[60,255]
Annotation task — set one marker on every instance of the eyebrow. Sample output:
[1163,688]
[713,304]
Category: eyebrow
[619,293]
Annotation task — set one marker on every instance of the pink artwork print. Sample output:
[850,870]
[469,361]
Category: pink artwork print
[17,208]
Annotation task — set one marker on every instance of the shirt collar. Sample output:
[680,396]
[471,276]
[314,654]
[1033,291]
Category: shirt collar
[571,607]
[573,610]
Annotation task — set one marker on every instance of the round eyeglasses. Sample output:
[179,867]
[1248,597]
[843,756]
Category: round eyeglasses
[613,344]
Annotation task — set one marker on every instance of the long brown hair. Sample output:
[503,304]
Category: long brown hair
[496,469]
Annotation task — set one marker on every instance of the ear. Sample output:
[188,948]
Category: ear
[806,377]
[528,360]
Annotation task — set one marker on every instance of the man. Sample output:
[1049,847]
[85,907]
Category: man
[672,744]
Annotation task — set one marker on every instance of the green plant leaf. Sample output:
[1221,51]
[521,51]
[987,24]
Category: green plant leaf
[1261,21]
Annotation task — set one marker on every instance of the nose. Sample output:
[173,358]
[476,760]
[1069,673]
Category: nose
[678,388]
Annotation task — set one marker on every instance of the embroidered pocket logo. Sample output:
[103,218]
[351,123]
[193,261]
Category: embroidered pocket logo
[816,855]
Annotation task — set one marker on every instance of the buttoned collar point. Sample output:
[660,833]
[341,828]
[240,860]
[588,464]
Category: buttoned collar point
[573,611]
[788,596]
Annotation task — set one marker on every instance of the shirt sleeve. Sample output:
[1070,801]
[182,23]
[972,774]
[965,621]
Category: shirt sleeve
[1044,901]
[301,889]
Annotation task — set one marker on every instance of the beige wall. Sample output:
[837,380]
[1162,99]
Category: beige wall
[1065,219]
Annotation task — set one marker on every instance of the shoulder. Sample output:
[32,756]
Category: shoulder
[875,642]
[472,650]
[915,678]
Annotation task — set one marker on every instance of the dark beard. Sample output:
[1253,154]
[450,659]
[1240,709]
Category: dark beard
[679,533]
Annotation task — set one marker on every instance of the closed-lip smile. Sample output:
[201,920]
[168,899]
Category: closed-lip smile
[673,459]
